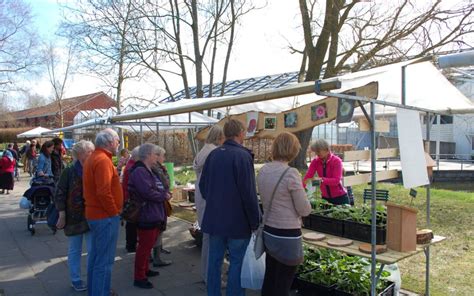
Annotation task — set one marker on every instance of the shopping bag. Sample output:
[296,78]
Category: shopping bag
[259,247]
[253,270]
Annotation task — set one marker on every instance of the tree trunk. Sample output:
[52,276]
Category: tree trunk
[304,136]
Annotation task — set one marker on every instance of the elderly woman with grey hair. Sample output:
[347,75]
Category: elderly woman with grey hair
[69,201]
[328,167]
[146,187]
[215,138]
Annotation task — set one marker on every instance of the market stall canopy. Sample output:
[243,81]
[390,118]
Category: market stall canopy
[426,88]
[35,133]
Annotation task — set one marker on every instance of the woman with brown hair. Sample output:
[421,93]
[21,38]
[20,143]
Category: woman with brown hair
[284,203]
[44,161]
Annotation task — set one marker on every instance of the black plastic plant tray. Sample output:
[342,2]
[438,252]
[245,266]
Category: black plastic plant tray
[326,224]
[388,291]
[306,288]
[362,232]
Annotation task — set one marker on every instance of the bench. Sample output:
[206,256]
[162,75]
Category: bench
[380,194]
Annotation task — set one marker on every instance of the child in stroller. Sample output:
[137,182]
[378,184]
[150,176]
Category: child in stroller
[40,195]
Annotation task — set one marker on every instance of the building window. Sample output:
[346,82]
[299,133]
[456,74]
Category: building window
[446,119]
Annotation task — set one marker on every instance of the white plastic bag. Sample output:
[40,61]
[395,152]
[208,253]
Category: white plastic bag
[253,270]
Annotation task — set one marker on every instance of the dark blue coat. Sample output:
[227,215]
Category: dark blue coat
[228,186]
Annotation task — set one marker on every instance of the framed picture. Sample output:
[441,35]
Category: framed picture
[345,110]
[291,119]
[270,123]
[252,120]
[319,112]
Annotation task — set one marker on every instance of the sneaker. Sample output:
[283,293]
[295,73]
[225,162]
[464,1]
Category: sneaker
[161,263]
[144,284]
[165,251]
[152,273]
[78,286]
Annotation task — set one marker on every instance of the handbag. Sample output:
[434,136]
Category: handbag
[168,208]
[259,247]
[131,210]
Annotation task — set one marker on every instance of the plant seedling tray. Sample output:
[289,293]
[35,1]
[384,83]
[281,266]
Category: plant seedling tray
[326,224]
[306,288]
[362,232]
[388,291]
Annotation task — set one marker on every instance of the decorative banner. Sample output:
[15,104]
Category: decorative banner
[252,120]
[345,110]
[319,112]
[270,123]
[291,119]
[412,154]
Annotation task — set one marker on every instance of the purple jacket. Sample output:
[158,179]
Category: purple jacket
[145,186]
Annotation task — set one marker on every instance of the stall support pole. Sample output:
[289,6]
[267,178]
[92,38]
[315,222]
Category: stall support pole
[428,212]
[373,204]
[141,134]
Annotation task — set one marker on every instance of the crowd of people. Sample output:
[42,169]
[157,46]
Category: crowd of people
[91,192]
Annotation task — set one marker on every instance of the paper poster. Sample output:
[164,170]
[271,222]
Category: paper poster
[291,119]
[270,123]
[252,120]
[412,154]
[319,112]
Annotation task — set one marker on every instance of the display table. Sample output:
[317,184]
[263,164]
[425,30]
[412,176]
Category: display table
[388,257]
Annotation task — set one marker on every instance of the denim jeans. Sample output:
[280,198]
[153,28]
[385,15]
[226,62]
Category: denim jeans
[74,254]
[104,234]
[217,247]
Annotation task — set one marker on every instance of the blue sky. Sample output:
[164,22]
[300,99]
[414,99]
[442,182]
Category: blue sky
[46,16]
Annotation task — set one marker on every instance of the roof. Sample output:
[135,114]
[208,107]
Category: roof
[53,108]
[240,86]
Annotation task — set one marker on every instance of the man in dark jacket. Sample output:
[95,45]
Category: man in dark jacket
[228,186]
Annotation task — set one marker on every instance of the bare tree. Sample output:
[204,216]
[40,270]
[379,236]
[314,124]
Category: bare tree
[18,41]
[100,30]
[158,39]
[59,69]
[356,35]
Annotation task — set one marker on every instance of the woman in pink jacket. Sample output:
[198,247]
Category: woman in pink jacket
[329,169]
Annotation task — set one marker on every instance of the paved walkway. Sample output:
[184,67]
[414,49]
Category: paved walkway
[37,265]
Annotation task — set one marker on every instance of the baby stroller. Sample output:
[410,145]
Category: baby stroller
[40,196]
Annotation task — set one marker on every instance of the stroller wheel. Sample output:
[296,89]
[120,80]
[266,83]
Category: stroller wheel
[30,223]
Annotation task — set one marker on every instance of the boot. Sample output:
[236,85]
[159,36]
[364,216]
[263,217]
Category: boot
[157,262]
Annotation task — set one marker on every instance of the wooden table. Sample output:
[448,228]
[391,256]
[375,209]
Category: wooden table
[388,257]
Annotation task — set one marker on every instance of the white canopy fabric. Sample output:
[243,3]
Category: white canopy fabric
[34,133]
[178,121]
[426,88]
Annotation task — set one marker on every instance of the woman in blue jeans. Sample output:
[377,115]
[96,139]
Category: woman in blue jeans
[70,203]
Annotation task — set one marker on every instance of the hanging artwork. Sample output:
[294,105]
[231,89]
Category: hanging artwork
[345,110]
[291,119]
[252,118]
[270,123]
[319,112]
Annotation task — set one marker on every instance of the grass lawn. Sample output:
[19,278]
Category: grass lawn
[452,216]
[452,261]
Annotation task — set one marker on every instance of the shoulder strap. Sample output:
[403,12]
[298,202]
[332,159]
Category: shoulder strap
[273,195]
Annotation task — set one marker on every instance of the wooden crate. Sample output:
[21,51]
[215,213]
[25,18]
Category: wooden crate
[179,195]
[401,228]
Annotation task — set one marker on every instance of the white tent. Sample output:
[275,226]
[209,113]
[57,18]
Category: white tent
[34,133]
[177,121]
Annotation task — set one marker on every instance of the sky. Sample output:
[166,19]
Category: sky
[261,47]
